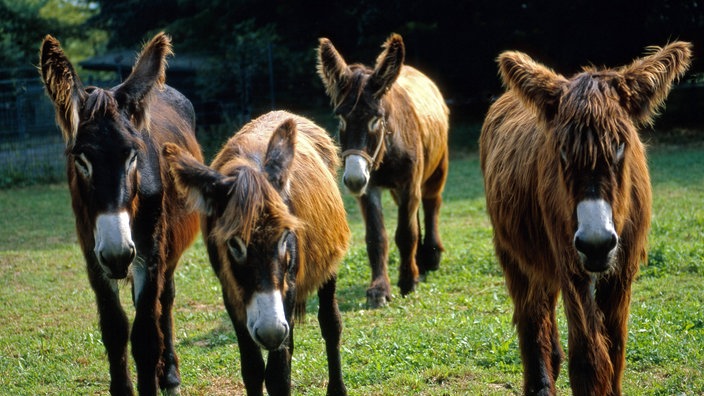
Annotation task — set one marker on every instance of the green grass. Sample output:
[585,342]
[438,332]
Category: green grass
[452,337]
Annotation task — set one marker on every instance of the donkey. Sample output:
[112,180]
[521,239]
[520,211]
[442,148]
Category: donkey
[275,229]
[568,193]
[129,219]
[393,132]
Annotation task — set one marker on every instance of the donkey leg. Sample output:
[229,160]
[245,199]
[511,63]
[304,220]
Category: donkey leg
[379,292]
[251,361]
[169,377]
[614,298]
[331,329]
[277,375]
[147,339]
[431,249]
[590,367]
[407,238]
[114,327]
[533,316]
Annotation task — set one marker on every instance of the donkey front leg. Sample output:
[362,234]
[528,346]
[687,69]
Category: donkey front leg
[169,377]
[407,238]
[251,360]
[147,340]
[614,298]
[590,368]
[536,325]
[331,328]
[114,327]
[379,292]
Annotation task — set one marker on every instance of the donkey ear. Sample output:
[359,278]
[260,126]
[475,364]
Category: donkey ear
[200,185]
[63,87]
[279,154]
[388,65]
[331,68]
[535,85]
[149,72]
[647,81]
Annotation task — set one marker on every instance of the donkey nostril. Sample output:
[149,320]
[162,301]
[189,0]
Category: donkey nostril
[596,246]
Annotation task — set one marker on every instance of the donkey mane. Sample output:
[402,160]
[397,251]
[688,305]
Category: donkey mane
[591,104]
[99,102]
[353,87]
[253,201]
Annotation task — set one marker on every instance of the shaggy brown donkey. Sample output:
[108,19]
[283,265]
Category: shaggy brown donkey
[275,227]
[568,193]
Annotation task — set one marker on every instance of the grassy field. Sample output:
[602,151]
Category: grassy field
[452,337]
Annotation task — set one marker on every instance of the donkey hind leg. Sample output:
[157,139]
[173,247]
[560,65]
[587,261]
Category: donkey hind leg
[534,318]
[114,327]
[169,377]
[147,339]
[407,238]
[379,292]
[430,251]
[251,361]
[331,329]
[613,297]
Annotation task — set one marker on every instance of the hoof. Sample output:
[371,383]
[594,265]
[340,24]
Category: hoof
[170,381]
[428,259]
[407,286]
[377,298]
[175,391]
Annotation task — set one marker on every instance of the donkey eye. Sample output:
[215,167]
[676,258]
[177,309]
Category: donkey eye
[373,124]
[620,150]
[83,165]
[282,245]
[342,123]
[132,160]
[237,249]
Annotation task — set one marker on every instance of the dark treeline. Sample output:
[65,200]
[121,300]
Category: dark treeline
[241,46]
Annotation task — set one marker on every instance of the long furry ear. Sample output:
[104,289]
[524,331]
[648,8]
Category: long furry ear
[537,86]
[647,81]
[388,65]
[149,72]
[331,68]
[280,153]
[63,87]
[202,186]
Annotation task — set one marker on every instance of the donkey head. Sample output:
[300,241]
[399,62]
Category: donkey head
[592,122]
[251,231]
[357,94]
[104,148]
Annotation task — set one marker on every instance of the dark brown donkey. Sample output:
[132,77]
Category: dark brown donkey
[393,133]
[129,218]
[568,193]
[275,227]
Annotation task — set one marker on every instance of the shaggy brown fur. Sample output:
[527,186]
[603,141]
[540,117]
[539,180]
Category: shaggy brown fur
[396,118]
[547,144]
[102,128]
[276,175]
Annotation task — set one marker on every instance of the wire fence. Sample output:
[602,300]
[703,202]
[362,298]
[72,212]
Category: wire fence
[31,147]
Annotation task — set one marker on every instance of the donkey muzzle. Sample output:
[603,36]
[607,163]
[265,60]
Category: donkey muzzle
[596,239]
[356,173]
[266,321]
[114,247]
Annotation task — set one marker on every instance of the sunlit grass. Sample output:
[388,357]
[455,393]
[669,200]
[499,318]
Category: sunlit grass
[452,336]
